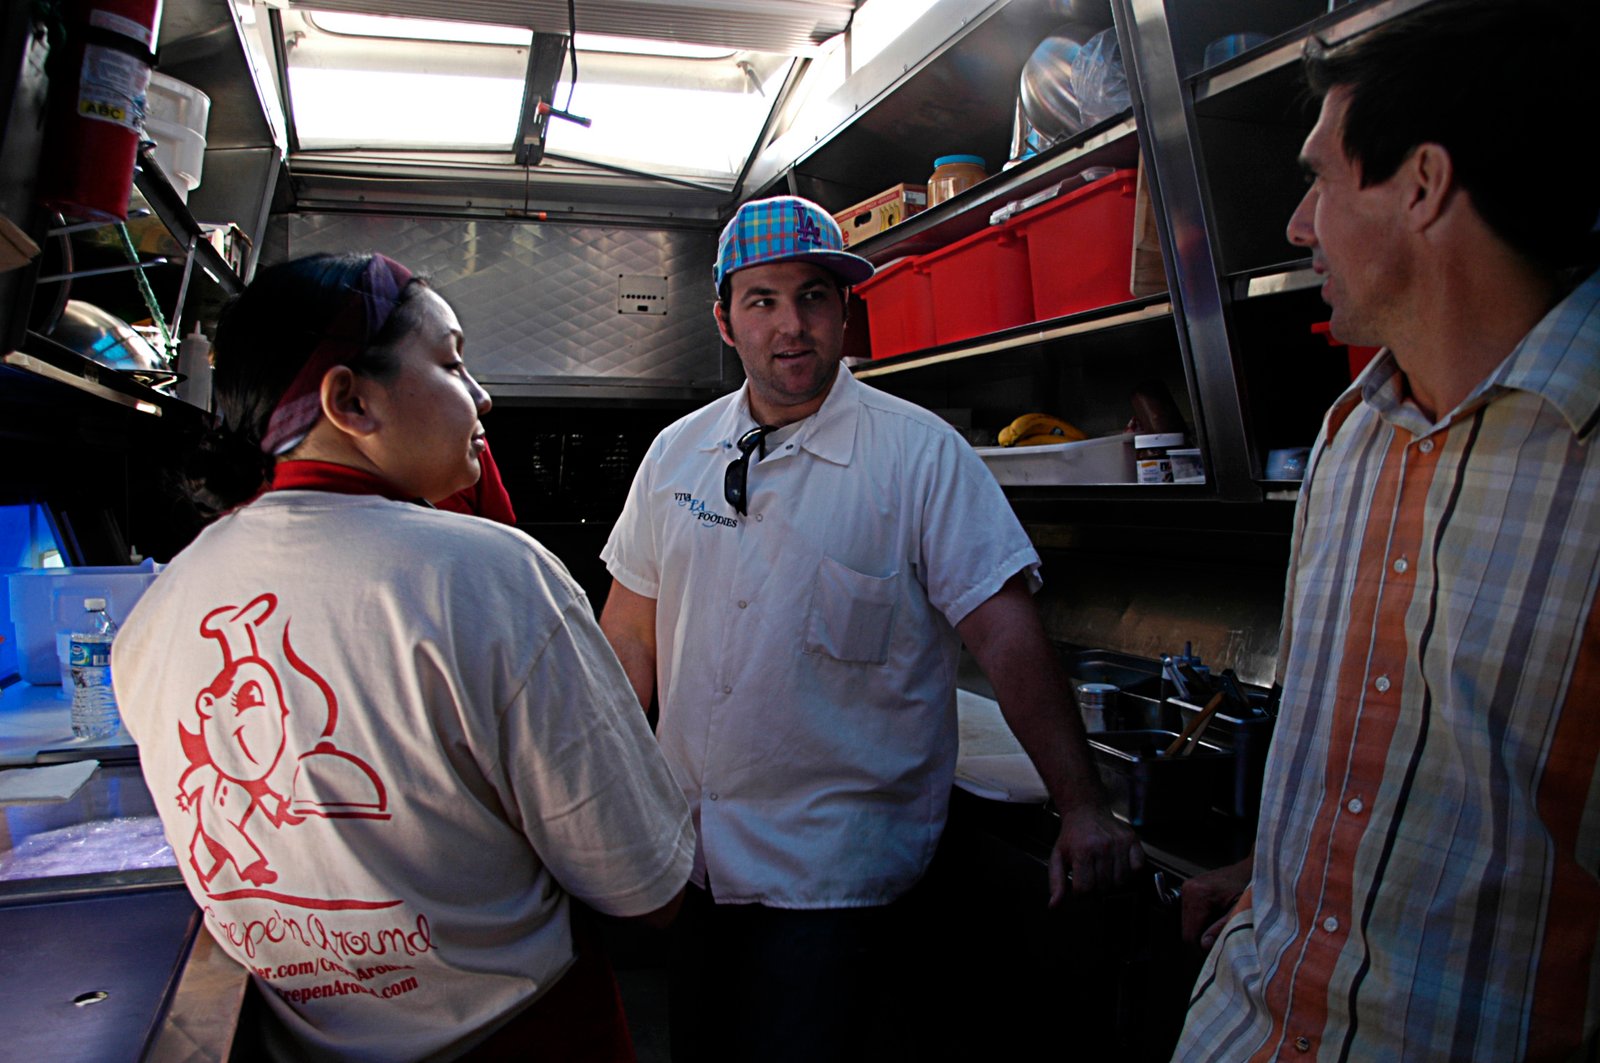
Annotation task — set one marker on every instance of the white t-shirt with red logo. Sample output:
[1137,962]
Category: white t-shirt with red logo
[387,743]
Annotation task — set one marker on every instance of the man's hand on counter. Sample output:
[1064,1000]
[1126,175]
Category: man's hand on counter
[1209,897]
[1094,851]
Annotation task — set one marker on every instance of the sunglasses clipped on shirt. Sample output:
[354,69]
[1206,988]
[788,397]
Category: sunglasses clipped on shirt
[736,481]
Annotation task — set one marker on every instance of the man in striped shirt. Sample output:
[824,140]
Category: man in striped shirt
[1424,884]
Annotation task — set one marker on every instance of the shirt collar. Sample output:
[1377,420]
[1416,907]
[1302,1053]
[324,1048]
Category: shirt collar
[830,433]
[1555,360]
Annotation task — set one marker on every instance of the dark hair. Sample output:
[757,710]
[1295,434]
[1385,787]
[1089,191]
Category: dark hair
[264,336]
[1481,78]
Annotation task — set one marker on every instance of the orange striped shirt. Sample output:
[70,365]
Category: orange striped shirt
[1427,880]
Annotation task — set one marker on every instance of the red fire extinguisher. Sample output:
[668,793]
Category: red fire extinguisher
[96,109]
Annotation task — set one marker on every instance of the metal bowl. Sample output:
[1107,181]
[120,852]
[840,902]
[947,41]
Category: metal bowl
[111,341]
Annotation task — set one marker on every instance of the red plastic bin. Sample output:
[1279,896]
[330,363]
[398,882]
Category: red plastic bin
[980,285]
[1080,247]
[899,302]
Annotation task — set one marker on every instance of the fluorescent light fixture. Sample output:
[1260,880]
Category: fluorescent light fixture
[418,29]
[391,109]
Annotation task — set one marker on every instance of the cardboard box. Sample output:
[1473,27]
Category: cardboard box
[884,210]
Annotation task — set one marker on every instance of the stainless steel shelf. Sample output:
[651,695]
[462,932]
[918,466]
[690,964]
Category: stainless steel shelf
[44,357]
[163,198]
[1287,50]
[1294,279]
[1113,143]
[1022,337]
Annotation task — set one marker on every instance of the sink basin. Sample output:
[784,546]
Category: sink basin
[1135,675]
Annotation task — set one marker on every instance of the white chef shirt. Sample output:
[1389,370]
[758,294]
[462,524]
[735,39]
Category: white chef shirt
[806,653]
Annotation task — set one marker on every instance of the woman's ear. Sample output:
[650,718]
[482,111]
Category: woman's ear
[344,402]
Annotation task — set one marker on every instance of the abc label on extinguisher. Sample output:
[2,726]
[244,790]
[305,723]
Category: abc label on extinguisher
[95,112]
[112,88]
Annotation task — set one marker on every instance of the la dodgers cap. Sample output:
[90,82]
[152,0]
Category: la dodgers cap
[786,229]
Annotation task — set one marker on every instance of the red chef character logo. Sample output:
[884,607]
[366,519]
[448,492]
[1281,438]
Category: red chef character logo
[237,754]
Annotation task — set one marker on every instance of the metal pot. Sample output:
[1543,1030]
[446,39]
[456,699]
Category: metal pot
[111,341]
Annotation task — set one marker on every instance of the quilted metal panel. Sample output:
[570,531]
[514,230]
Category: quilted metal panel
[539,301]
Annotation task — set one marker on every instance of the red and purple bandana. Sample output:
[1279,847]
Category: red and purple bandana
[366,310]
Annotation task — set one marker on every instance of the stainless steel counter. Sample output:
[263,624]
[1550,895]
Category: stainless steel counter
[102,955]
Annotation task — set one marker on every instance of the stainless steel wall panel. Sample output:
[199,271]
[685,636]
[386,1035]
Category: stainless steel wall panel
[538,301]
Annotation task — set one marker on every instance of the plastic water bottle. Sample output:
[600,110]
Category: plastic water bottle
[94,704]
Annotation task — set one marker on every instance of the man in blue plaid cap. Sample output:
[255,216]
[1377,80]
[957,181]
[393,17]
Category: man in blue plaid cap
[795,571]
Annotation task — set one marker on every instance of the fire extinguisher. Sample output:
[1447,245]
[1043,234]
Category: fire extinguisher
[96,108]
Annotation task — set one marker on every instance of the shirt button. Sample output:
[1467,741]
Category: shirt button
[712,796]
[758,518]
[1382,683]
[1330,924]
[1356,806]
[744,605]
[1426,446]
[1401,564]
[727,690]
[1302,1044]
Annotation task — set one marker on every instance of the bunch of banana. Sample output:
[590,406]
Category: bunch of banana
[1035,429]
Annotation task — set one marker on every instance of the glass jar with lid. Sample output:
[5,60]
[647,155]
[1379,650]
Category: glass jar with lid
[953,174]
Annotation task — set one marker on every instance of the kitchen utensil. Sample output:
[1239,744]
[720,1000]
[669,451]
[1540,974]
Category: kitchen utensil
[1237,698]
[1171,673]
[1095,700]
[111,341]
[1206,716]
[104,337]
[1045,87]
[1191,733]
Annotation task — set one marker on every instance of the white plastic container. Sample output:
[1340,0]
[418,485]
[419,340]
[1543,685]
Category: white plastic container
[47,601]
[176,116]
[1107,460]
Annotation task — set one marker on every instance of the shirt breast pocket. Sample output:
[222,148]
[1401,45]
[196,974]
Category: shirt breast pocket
[851,617]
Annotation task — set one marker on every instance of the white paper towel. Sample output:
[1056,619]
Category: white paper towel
[55,782]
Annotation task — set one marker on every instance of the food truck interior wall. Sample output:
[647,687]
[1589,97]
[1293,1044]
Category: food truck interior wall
[544,310]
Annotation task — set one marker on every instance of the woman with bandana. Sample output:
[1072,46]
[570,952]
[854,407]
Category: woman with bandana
[389,743]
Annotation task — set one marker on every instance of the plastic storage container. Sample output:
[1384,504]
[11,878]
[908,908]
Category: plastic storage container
[176,116]
[899,300]
[1186,465]
[1080,247]
[46,601]
[979,285]
[1108,460]
[954,174]
[1152,464]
